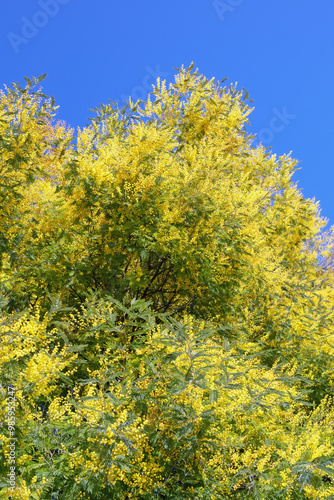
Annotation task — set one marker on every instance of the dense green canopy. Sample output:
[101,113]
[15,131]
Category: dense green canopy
[167,305]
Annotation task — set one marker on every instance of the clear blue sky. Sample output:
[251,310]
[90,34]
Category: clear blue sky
[281,51]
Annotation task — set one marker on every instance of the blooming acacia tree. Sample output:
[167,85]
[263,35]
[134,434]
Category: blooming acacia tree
[167,320]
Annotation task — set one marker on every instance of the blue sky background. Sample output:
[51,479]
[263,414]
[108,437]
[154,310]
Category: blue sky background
[281,51]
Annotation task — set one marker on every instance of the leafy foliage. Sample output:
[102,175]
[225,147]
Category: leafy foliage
[167,304]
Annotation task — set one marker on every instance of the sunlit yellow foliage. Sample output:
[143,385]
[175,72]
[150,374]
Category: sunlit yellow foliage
[167,305]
